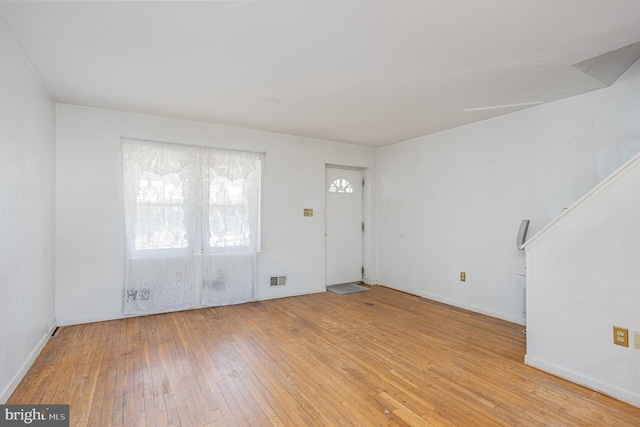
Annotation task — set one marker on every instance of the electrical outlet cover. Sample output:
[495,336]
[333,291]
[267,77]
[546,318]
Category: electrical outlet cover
[636,340]
[621,336]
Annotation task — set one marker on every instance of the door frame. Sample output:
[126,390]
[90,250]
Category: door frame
[367,236]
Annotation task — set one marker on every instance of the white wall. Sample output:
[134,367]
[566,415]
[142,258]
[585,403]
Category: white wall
[453,201]
[583,280]
[27,144]
[89,216]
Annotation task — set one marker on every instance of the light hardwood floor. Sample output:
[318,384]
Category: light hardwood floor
[379,357]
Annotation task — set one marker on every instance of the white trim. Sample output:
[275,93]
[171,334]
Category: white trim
[613,177]
[295,294]
[477,309]
[117,315]
[583,380]
[13,384]
[79,320]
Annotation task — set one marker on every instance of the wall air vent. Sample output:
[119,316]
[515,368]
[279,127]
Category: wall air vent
[278,281]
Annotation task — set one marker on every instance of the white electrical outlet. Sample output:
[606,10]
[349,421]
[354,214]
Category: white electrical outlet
[220,273]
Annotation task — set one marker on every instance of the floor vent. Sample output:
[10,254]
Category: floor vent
[278,281]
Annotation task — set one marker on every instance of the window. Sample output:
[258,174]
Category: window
[228,218]
[340,185]
[181,201]
[160,222]
[231,200]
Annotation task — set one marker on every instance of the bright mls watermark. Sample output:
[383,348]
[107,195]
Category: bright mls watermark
[34,415]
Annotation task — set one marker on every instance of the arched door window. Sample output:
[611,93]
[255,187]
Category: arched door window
[340,185]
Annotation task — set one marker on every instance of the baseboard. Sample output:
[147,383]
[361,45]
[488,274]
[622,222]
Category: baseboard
[67,321]
[116,315]
[293,294]
[10,388]
[79,320]
[470,307]
[584,380]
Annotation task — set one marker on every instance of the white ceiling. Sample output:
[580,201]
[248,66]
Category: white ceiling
[367,72]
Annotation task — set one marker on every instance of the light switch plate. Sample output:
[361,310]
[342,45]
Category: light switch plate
[636,340]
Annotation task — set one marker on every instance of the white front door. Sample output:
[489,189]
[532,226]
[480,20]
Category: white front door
[343,226]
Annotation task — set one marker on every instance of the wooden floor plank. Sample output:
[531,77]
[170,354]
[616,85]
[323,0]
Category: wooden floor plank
[373,358]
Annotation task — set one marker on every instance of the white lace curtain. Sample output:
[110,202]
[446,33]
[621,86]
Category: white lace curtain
[231,194]
[181,202]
